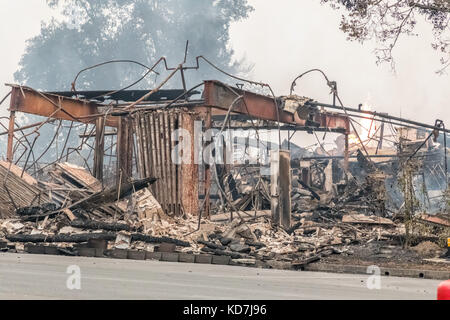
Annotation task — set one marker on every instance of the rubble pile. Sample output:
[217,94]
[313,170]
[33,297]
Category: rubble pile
[368,197]
[75,215]
[252,241]
[21,187]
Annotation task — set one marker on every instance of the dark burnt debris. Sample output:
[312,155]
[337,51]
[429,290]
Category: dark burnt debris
[111,185]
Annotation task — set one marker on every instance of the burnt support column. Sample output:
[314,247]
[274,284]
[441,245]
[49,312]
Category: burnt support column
[380,142]
[124,149]
[99,147]
[280,187]
[189,171]
[285,188]
[9,150]
[207,190]
[274,187]
[346,154]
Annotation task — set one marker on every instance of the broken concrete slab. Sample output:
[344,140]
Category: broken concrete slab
[118,253]
[153,255]
[186,257]
[136,255]
[34,249]
[169,256]
[166,247]
[203,258]
[223,260]
[241,248]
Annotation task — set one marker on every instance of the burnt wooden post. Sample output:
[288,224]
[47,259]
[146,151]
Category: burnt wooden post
[99,147]
[274,188]
[9,150]
[207,190]
[280,187]
[380,142]
[189,171]
[285,188]
[346,155]
[124,149]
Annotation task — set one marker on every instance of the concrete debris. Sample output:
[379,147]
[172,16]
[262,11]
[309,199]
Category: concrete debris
[428,249]
[123,240]
[147,206]
[294,103]
[439,220]
[12,226]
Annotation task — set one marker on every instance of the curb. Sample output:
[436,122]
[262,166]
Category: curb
[226,260]
[132,254]
[394,272]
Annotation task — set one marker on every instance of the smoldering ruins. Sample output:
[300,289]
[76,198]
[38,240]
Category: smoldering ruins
[216,174]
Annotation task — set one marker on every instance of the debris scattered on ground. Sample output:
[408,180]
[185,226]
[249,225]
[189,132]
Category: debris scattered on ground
[428,249]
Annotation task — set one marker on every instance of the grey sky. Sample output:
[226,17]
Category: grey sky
[284,38]
[20,20]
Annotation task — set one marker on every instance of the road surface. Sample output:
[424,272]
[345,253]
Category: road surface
[27,276]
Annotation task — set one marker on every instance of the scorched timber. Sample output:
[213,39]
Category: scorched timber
[99,225]
[100,198]
[110,195]
[84,237]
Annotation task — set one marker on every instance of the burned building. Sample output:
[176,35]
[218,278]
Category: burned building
[170,155]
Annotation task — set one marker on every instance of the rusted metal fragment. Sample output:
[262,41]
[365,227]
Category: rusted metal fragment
[435,219]
[218,95]
[27,100]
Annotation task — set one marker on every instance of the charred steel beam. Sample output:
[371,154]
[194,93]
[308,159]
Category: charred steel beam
[244,118]
[219,95]
[27,100]
[93,134]
[352,157]
[380,115]
[25,127]
[286,128]
[125,95]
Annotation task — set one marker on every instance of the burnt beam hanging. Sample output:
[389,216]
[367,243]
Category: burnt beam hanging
[27,100]
[220,96]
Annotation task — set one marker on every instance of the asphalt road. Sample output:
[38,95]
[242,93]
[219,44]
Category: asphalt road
[26,276]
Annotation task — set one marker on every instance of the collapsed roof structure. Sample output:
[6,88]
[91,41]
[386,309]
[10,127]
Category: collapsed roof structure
[147,128]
